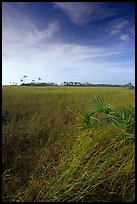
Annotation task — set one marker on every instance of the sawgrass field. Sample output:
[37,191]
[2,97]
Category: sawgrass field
[54,150]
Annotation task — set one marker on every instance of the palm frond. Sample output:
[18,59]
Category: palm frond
[98,103]
[124,118]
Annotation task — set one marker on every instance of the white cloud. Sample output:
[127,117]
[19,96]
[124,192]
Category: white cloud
[116,26]
[16,33]
[124,37]
[121,29]
[84,12]
[57,61]
[28,43]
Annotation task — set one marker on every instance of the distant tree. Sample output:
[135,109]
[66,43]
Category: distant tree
[24,77]
[39,79]
[71,83]
[33,81]
[21,81]
[129,85]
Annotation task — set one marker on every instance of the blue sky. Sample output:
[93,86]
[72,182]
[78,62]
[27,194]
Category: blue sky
[68,41]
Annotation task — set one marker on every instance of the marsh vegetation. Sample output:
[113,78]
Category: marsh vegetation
[68,144]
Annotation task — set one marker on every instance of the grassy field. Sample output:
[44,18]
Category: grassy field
[48,156]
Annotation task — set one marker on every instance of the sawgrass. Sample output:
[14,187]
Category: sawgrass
[46,156]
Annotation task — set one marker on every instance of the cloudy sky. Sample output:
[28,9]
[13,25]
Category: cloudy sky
[68,41]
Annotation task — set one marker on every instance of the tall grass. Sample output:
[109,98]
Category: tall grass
[47,158]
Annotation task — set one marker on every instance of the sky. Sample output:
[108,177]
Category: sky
[68,41]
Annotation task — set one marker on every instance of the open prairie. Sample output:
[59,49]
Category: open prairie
[51,152]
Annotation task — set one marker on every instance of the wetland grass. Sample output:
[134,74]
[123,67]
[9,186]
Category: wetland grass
[46,157]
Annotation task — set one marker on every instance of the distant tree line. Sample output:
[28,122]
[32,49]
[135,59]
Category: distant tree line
[86,84]
[39,84]
[78,84]
[89,84]
[68,83]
